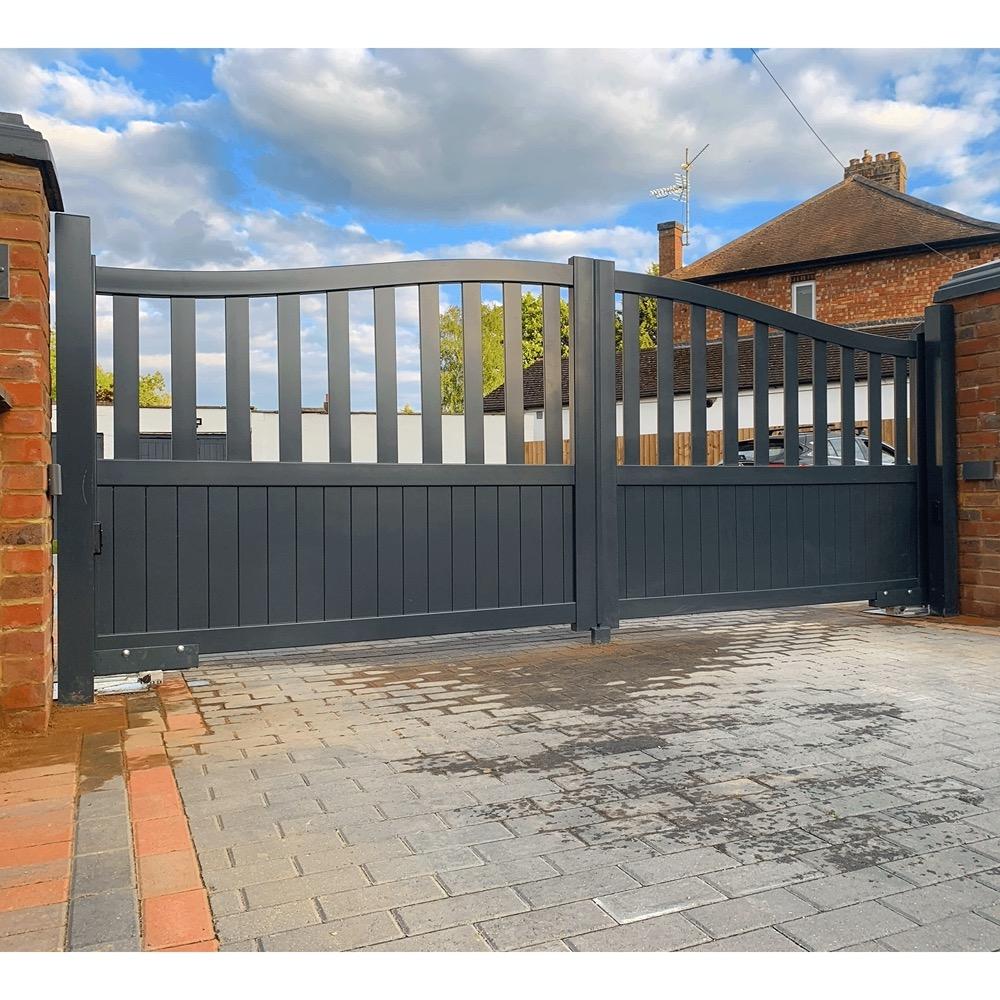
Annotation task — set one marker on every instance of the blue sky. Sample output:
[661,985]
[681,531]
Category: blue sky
[277,158]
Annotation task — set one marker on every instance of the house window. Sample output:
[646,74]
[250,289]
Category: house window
[804,298]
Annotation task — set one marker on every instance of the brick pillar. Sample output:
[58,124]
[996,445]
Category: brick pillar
[975,297]
[671,247]
[28,191]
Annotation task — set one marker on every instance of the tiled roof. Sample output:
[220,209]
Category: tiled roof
[534,386]
[856,216]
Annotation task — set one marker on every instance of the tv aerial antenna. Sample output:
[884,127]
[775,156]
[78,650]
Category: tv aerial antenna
[681,190]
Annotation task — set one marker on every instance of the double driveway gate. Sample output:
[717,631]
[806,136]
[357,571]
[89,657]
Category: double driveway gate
[161,559]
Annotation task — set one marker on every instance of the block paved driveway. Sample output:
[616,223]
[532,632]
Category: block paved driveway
[812,779]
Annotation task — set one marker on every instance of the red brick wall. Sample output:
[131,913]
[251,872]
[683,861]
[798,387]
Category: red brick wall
[977,364]
[26,659]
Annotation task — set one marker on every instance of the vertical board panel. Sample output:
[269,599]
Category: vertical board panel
[552,369]
[513,373]
[386,419]
[635,542]
[253,556]
[761,538]
[812,529]
[790,371]
[691,527]
[794,533]
[223,557]
[730,390]
[858,542]
[673,540]
[364,552]
[472,349]
[509,554]
[901,430]
[337,559]
[125,361]
[622,524]
[104,565]
[390,550]
[653,517]
[463,547]
[192,556]
[844,530]
[699,407]
[439,546]
[847,405]
[430,372]
[238,444]
[778,535]
[745,559]
[415,553]
[728,575]
[819,400]
[874,409]
[630,378]
[761,384]
[338,374]
[130,559]
[569,550]
[487,566]
[709,539]
[281,554]
[289,379]
[309,555]
[531,545]
[827,534]
[161,558]
[665,381]
[183,411]
[553,558]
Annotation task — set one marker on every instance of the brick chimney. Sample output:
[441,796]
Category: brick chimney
[671,248]
[882,168]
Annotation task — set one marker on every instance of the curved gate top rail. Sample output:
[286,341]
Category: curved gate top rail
[308,280]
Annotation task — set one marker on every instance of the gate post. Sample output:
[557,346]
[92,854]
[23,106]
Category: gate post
[29,191]
[593,447]
[76,361]
[938,459]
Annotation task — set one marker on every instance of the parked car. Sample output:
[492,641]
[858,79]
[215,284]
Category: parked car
[807,450]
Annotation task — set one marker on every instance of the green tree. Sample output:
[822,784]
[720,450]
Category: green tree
[152,385]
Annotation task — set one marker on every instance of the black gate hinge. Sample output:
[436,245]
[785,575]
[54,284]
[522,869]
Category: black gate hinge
[98,538]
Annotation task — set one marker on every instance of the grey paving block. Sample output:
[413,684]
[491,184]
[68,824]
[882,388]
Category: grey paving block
[273,893]
[653,900]
[481,833]
[109,916]
[760,876]
[363,833]
[451,911]
[990,822]
[103,805]
[697,861]
[944,899]
[217,879]
[226,902]
[379,897]
[583,858]
[449,859]
[318,854]
[102,834]
[941,866]
[835,929]
[337,935]
[666,933]
[961,932]
[128,944]
[265,922]
[937,836]
[494,876]
[531,846]
[763,909]
[452,939]
[850,887]
[540,926]
[766,939]
[102,872]
[568,888]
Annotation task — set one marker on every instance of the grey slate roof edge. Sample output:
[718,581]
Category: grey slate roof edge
[19,143]
[983,278]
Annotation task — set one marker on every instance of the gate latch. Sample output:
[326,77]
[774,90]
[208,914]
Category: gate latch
[4,271]
[98,538]
[55,480]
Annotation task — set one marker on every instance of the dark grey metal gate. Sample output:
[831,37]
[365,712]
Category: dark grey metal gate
[161,559]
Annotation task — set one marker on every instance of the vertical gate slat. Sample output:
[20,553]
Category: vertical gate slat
[778,507]
[416,564]
[223,557]
[744,537]
[338,364]
[730,389]
[761,388]
[463,547]
[552,554]
[728,536]
[130,559]
[761,538]
[281,552]
[104,564]
[238,440]
[183,375]
[632,549]
[289,380]
[125,349]
[487,555]
[794,532]
[820,418]
[874,408]
[811,529]
[630,378]
[390,550]
[691,535]
[252,502]
[699,402]
[337,533]
[569,552]
[847,405]
[531,544]
[901,431]
[386,419]
[509,554]
[790,375]
[673,540]
[439,590]
[430,372]
[309,554]
[665,381]
[192,556]
[162,542]
[552,372]
[364,552]
[513,360]
[653,515]
[472,378]
[709,539]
